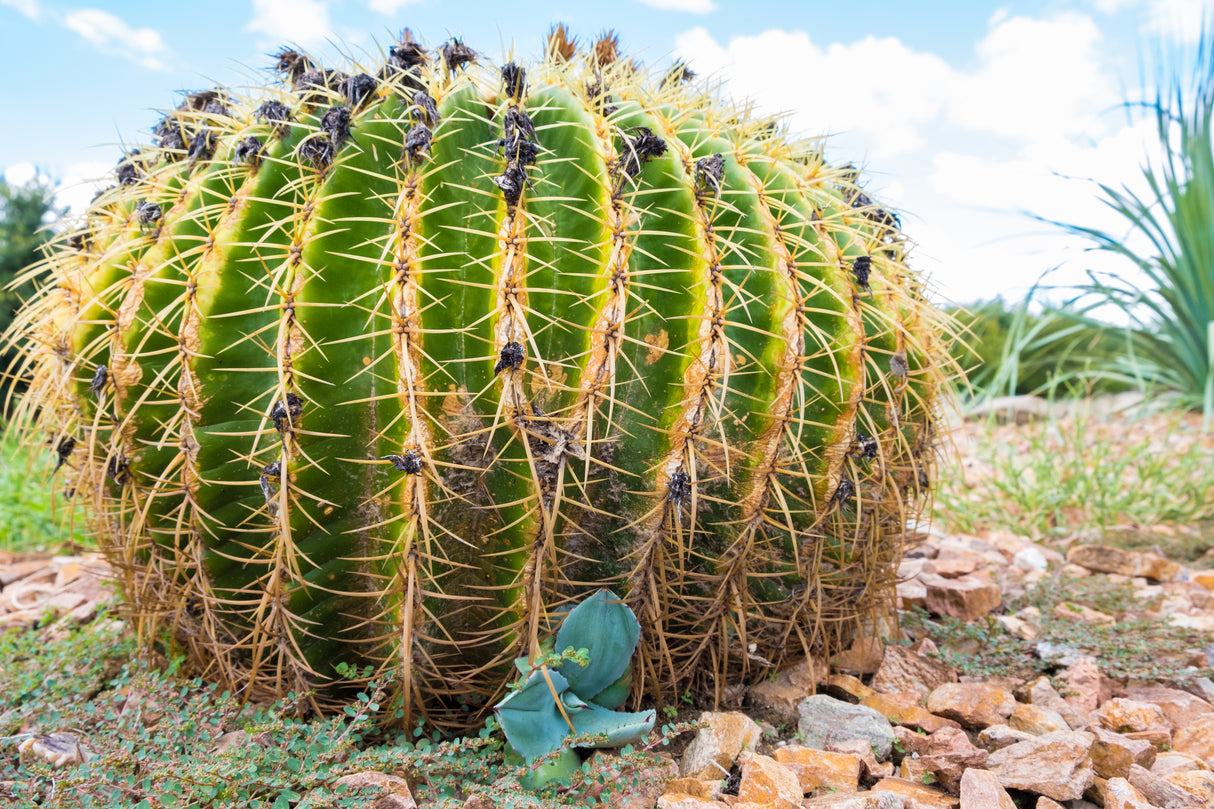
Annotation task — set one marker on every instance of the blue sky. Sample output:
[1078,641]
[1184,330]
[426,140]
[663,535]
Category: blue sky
[965,115]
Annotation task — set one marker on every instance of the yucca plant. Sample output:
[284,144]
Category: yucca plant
[385,366]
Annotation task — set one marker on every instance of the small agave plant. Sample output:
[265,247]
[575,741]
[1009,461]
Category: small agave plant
[577,696]
[387,365]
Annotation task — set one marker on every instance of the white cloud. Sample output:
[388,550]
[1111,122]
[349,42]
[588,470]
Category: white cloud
[29,8]
[114,36]
[81,181]
[1181,20]
[689,6]
[20,174]
[390,6]
[301,22]
[889,89]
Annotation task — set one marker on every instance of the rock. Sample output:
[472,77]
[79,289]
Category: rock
[952,563]
[821,769]
[1122,715]
[1173,762]
[974,705]
[870,768]
[904,670]
[1010,410]
[1041,692]
[906,709]
[398,795]
[824,720]
[1036,720]
[715,747]
[1202,688]
[1068,611]
[948,755]
[980,789]
[864,800]
[1113,754]
[845,687]
[1196,738]
[1047,803]
[1178,706]
[1104,559]
[1055,765]
[1120,794]
[1018,626]
[677,800]
[1161,740]
[864,657]
[766,781]
[16,571]
[1204,577]
[781,695]
[57,749]
[1161,792]
[1030,559]
[1085,687]
[997,737]
[1197,782]
[966,599]
[911,593]
[920,796]
[709,790]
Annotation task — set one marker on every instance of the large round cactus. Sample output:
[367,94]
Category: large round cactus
[387,365]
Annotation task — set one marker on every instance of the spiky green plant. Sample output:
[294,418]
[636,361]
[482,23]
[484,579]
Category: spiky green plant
[384,367]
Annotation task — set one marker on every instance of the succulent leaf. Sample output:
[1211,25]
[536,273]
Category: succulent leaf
[608,629]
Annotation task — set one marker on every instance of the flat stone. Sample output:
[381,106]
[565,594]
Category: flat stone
[1105,559]
[1055,765]
[1121,794]
[1036,720]
[1178,706]
[1030,560]
[821,769]
[825,720]
[966,599]
[780,696]
[766,781]
[911,594]
[1122,715]
[1113,754]
[845,686]
[1047,803]
[997,737]
[697,788]
[1041,692]
[920,796]
[980,789]
[715,747]
[863,657]
[1199,783]
[1067,611]
[904,670]
[678,800]
[1172,762]
[397,788]
[906,709]
[974,705]
[1196,738]
[1010,410]
[17,571]
[870,769]
[863,800]
[1161,792]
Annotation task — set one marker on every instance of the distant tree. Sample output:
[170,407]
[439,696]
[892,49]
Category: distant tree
[24,212]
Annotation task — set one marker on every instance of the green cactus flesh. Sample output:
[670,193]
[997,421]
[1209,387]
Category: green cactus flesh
[391,380]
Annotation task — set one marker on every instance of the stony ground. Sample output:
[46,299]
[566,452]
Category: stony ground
[909,722]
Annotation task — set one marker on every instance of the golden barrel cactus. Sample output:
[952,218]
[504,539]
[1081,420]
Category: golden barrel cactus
[385,365]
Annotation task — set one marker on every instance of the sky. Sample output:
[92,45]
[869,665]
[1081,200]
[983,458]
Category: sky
[979,123]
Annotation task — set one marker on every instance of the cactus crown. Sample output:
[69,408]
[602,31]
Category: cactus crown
[387,363]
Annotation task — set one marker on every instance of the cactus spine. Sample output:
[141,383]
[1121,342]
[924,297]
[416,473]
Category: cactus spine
[385,368]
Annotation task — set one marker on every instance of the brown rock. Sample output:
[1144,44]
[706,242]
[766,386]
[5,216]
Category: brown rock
[398,795]
[1173,762]
[911,594]
[1041,692]
[1130,716]
[57,749]
[1196,738]
[1161,792]
[17,571]
[821,769]
[1048,803]
[1086,688]
[903,670]
[677,800]
[1197,782]
[1113,754]
[1036,720]
[952,564]
[913,769]
[708,790]
[966,599]
[864,657]
[1120,794]
[1067,611]
[844,686]
[766,781]
[997,737]
[870,768]
[1055,765]
[906,708]
[907,742]
[781,695]
[715,747]
[974,705]
[920,796]
[949,754]
[1161,740]
[980,789]
[863,800]
[1104,559]
[1178,706]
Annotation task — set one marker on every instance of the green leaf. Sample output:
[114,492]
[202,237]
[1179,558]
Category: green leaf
[618,727]
[607,627]
[616,694]
[530,718]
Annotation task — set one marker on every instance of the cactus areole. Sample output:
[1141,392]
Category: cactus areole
[388,365]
